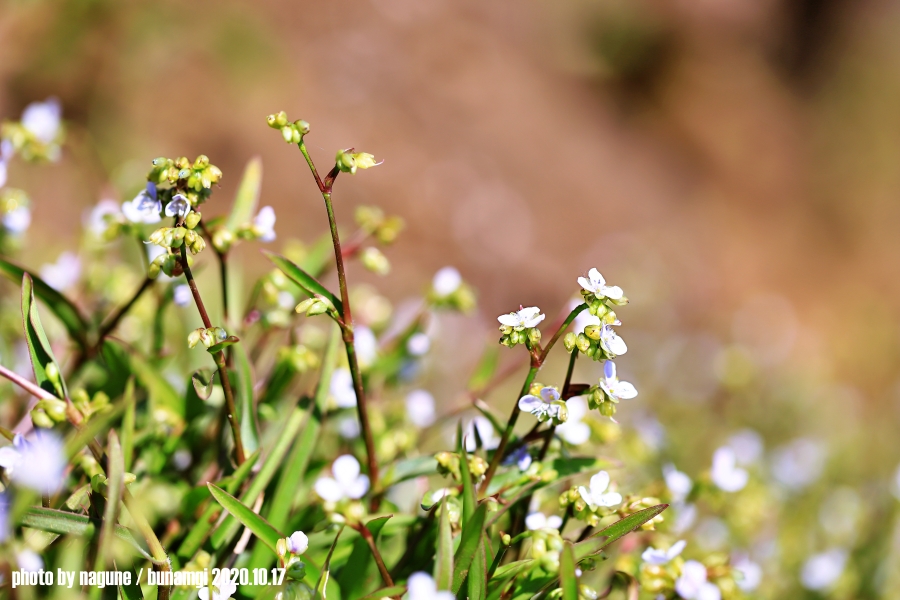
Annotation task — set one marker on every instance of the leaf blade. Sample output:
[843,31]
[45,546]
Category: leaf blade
[468,545]
[306,281]
[247,195]
[252,521]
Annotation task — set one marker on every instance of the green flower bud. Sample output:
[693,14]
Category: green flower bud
[41,419]
[582,342]
[296,136]
[569,341]
[607,409]
[281,547]
[345,162]
[192,220]
[288,134]
[222,240]
[281,119]
[477,466]
[373,260]
[505,539]
[316,308]
[55,409]
[534,336]
[153,270]
[194,337]
[305,305]
[52,372]
[301,126]
[198,245]
[592,332]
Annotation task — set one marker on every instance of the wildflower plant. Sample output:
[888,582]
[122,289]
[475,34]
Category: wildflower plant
[290,449]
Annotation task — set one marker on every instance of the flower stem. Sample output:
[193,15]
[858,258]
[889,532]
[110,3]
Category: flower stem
[325,188]
[220,362]
[370,540]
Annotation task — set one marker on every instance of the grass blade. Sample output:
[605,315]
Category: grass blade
[38,345]
[477,580]
[304,279]
[568,581]
[616,531]
[322,584]
[468,488]
[244,391]
[115,482]
[66,523]
[245,201]
[443,564]
[252,521]
[470,538]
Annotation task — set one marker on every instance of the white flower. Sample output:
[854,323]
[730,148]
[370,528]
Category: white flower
[520,457]
[747,446]
[679,483]
[420,408]
[421,586]
[574,430]
[522,318]
[660,557]
[346,483]
[366,346]
[286,300]
[17,220]
[611,342]
[725,473]
[582,319]
[264,224]
[29,560]
[538,520]
[751,573]
[182,296]
[38,463]
[486,432]
[597,494]
[144,208]
[610,384]
[3,172]
[96,221]
[542,407]
[446,281]
[799,463]
[298,543]
[685,516]
[341,388]
[4,517]
[418,344]
[42,119]
[179,206]
[595,284]
[693,584]
[348,427]
[64,273]
[821,571]
[221,590]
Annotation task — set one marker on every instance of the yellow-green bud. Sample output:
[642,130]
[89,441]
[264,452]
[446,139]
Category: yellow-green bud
[222,240]
[41,419]
[582,342]
[288,134]
[607,409]
[201,162]
[281,547]
[281,119]
[534,336]
[192,220]
[55,409]
[195,336]
[301,126]
[373,260]
[592,331]
[316,308]
[569,341]
[304,306]
[345,162]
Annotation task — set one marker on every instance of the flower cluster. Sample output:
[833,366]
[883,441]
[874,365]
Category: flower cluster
[520,327]
[37,136]
[291,132]
[193,180]
[448,290]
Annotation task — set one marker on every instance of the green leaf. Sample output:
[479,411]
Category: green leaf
[66,523]
[244,391]
[160,392]
[470,538]
[510,570]
[616,531]
[128,424]
[38,345]
[408,468]
[443,564]
[306,281]
[526,490]
[132,591]
[229,341]
[485,369]
[388,592]
[573,465]
[322,584]
[115,486]
[59,305]
[477,579]
[202,380]
[357,571]
[468,488]
[568,581]
[247,196]
[252,521]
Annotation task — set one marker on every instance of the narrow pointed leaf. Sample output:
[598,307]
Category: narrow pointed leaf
[67,523]
[247,196]
[616,531]
[388,592]
[360,569]
[202,380]
[443,564]
[306,281]
[322,584]
[39,350]
[468,488]
[470,538]
[252,521]
[477,580]
[568,581]
[229,341]
[115,484]
[244,390]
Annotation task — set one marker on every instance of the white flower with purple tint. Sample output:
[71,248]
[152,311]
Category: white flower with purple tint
[180,206]
[145,207]
[538,520]
[522,318]
[486,432]
[725,473]
[182,295]
[346,481]
[298,543]
[596,284]
[574,430]
[612,387]
[821,571]
[38,463]
[264,224]
[446,281]
[64,273]
[420,408]
[43,119]
[692,584]
[17,220]
[418,344]
[96,221]
[679,483]
[421,586]
[654,556]
[546,406]
[611,342]
[341,388]
[596,495]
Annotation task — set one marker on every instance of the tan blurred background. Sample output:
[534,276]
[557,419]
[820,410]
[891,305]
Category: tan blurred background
[733,164]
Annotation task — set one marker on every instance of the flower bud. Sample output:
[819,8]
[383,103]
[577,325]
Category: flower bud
[222,240]
[582,342]
[281,545]
[288,134]
[505,539]
[534,336]
[592,332]
[569,341]
[305,305]
[607,409]
[55,409]
[316,308]
[198,245]
[192,220]
[345,162]
[301,126]
[373,260]
[279,119]
[41,419]
[194,337]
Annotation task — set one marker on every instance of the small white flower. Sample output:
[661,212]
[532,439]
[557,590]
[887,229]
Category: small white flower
[38,463]
[64,273]
[541,407]
[264,224]
[421,586]
[446,281]
[96,221]
[660,557]
[3,172]
[538,520]
[751,573]
[610,384]
[17,220]
[798,463]
[286,300]
[747,446]
[595,284]
[298,543]
[679,483]
[341,388]
[366,346]
[821,571]
[144,208]
[182,296]
[347,482]
[420,408]
[221,590]
[520,457]
[522,318]
[611,342]
[348,427]
[418,344]
[4,517]
[179,206]
[725,472]
[29,560]
[685,516]
[486,432]
[574,430]
[692,585]
[182,459]
[597,495]
[42,119]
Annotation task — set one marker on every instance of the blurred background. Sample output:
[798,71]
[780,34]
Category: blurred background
[732,164]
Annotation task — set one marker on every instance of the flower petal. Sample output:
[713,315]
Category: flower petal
[625,391]
[328,489]
[612,292]
[530,403]
[549,394]
[345,469]
[509,319]
[536,520]
[358,488]
[610,499]
[599,483]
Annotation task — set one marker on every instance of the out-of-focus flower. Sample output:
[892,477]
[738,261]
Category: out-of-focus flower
[583,319]
[522,318]
[538,520]
[421,586]
[446,281]
[182,296]
[685,516]
[96,221]
[418,344]
[692,584]
[6,152]
[348,427]
[611,342]
[747,446]
[43,119]
[545,406]
[597,495]
[221,589]
[486,432]
[660,557]
[574,430]
[679,483]
[298,543]
[596,284]
[821,571]
[179,206]
[29,560]
[264,224]
[725,473]
[341,388]
[799,463]
[38,463]
[750,572]
[17,220]
[64,273]
[420,408]
[145,207]
[520,457]
[615,389]
[4,517]
[346,482]
[366,346]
